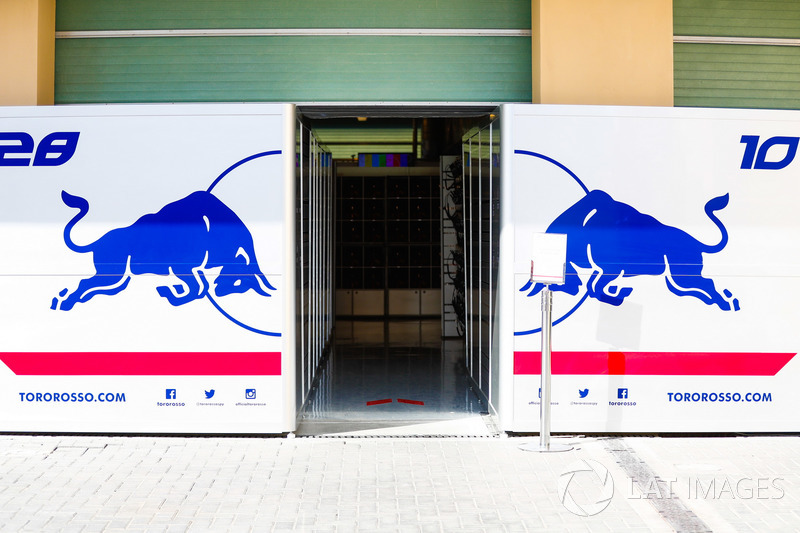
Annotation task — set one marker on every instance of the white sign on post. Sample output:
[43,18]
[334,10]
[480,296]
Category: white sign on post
[548,265]
[548,257]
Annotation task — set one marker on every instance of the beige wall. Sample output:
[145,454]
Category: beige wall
[27,51]
[605,52]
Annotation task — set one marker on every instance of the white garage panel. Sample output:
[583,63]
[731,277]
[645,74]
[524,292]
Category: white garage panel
[679,309]
[147,270]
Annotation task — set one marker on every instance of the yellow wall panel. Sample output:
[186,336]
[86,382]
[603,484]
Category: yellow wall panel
[45,78]
[605,52]
[27,51]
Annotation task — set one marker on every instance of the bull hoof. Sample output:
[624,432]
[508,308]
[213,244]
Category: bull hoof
[176,300]
[60,303]
[166,292]
[732,303]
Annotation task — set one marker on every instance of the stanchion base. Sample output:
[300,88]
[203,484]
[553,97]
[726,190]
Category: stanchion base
[553,447]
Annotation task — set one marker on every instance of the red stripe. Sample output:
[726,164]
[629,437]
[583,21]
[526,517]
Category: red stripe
[143,363]
[378,402]
[655,363]
[412,402]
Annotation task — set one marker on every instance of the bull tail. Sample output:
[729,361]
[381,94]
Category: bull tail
[715,204]
[83,207]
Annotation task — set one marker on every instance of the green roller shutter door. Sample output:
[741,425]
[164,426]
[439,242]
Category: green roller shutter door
[193,14]
[737,75]
[714,75]
[737,18]
[297,68]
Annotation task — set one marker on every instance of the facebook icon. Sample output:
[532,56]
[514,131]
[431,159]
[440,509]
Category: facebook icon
[172,394]
[622,394]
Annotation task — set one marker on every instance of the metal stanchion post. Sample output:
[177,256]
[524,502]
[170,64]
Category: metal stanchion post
[544,406]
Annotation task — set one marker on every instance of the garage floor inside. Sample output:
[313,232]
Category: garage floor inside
[394,378]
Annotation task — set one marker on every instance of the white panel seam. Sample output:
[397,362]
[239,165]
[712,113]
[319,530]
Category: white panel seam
[306,32]
[757,41]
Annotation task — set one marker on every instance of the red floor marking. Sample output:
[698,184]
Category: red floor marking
[378,402]
[412,402]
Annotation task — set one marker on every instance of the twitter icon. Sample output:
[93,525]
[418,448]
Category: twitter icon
[583,393]
[210,394]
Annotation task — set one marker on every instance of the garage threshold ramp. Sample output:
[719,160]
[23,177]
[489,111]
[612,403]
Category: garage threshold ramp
[481,425]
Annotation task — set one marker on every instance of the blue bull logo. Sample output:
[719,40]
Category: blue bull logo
[614,241]
[185,240]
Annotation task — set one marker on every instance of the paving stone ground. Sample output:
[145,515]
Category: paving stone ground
[84,484]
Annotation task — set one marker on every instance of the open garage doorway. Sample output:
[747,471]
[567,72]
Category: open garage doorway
[398,363]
